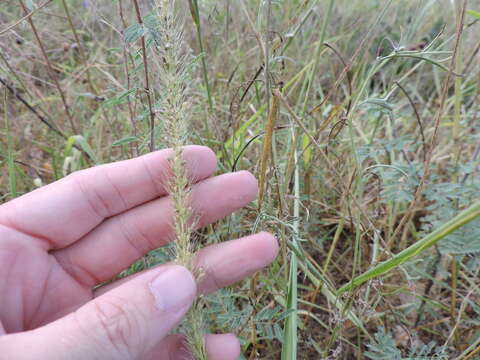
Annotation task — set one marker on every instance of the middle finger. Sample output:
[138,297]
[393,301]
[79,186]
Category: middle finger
[123,239]
[223,264]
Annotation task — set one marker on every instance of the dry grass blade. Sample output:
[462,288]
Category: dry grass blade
[267,149]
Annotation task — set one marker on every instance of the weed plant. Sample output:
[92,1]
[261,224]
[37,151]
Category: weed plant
[359,117]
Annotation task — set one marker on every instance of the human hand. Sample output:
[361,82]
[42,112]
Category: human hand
[60,241]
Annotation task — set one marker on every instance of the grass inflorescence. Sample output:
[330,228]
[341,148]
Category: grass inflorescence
[173,108]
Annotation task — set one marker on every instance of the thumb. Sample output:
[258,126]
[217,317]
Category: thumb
[123,323]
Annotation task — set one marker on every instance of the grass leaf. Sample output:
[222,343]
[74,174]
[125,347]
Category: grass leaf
[458,221]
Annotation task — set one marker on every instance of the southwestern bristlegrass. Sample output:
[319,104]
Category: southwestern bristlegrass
[173,110]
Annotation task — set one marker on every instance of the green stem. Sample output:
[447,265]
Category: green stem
[289,348]
[317,55]
[196,20]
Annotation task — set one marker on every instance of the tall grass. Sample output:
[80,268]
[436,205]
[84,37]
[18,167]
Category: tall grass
[360,119]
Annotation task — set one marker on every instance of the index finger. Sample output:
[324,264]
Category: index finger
[62,212]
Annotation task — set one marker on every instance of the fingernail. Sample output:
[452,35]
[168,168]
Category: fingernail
[173,289]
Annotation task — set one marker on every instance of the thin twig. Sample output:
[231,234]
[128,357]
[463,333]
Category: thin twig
[50,69]
[40,117]
[14,74]
[83,56]
[127,76]
[25,17]
[417,116]
[196,19]
[147,85]
[32,109]
[349,77]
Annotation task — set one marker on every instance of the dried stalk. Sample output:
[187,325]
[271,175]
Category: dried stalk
[50,68]
[147,81]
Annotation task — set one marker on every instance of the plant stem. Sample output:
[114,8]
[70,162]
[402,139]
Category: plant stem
[147,84]
[289,348]
[50,69]
[83,56]
[196,19]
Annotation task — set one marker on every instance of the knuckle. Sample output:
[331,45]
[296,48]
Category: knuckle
[116,326]
[81,180]
[130,229]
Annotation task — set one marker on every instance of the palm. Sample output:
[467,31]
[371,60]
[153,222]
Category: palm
[58,242]
[39,289]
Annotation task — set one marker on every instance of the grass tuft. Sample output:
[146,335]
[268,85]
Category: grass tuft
[360,119]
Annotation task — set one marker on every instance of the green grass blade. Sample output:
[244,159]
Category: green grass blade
[431,239]
[80,141]
[475,14]
[289,348]
[196,19]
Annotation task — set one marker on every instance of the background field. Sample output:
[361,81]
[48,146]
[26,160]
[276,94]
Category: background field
[370,115]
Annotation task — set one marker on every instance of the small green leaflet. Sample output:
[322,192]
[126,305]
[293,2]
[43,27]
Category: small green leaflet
[125,140]
[133,33]
[475,14]
[80,141]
